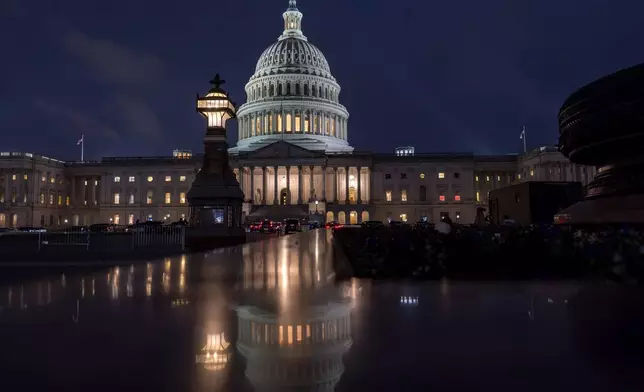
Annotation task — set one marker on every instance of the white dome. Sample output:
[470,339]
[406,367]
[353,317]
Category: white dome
[292,96]
[290,55]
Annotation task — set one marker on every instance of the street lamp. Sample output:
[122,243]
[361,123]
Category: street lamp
[316,206]
[215,197]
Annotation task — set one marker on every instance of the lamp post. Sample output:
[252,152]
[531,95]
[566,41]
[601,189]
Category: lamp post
[316,206]
[215,197]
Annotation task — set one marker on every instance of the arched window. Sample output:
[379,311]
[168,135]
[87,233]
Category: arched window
[326,93]
[264,92]
[297,89]
[320,92]
[314,91]
[423,193]
[307,123]
[298,122]
[306,89]
[279,89]
[288,89]
[270,122]
[271,90]
[288,122]
[279,122]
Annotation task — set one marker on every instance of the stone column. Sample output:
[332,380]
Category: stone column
[370,177]
[300,188]
[346,185]
[252,184]
[359,188]
[310,183]
[288,184]
[324,183]
[275,198]
[335,196]
[264,185]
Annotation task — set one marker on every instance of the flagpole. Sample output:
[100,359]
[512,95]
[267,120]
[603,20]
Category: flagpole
[82,148]
[525,147]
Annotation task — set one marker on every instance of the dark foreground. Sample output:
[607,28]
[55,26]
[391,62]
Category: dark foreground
[269,316]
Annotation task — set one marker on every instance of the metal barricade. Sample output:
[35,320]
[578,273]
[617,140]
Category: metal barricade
[72,237]
[159,236]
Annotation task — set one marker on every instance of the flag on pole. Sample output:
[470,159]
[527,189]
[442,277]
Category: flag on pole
[522,136]
[80,141]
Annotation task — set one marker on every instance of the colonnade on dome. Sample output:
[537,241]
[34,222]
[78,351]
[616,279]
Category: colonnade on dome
[292,121]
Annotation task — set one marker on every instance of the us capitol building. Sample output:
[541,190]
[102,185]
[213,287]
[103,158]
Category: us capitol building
[293,159]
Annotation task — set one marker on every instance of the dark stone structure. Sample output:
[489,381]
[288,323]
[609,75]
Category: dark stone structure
[215,196]
[602,124]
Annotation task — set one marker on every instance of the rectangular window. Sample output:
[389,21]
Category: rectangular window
[117,179]
[130,219]
[478,196]
[26,177]
[168,179]
[117,219]
[117,198]
[130,198]
[60,200]
[131,179]
[403,195]
[487,178]
[42,197]
[531,172]
[498,178]
[84,181]
[288,122]
[43,178]
[182,178]
[13,196]
[441,175]
[279,122]
[476,178]
[182,198]
[51,199]
[387,176]
[388,195]
[297,123]
[168,198]
[403,217]
[403,176]
[218,215]
[149,197]
[13,177]
[457,197]
[441,197]
[67,201]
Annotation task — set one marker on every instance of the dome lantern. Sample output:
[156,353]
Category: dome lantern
[292,22]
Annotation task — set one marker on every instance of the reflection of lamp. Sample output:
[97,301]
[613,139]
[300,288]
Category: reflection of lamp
[316,206]
[215,355]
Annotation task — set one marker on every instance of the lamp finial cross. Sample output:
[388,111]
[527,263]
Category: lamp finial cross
[217,81]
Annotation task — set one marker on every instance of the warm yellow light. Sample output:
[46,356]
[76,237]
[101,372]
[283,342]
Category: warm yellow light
[441,175]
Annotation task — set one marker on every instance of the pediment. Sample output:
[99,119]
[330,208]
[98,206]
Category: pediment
[283,149]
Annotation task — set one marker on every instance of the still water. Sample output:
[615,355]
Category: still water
[269,316]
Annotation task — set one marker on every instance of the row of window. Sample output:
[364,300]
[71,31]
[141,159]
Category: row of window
[443,215]
[14,177]
[150,179]
[149,198]
[423,196]
[440,175]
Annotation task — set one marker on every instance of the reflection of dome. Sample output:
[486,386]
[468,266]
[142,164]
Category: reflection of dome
[294,323]
[292,96]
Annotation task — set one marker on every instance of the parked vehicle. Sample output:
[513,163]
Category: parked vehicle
[314,225]
[268,227]
[255,226]
[332,225]
[291,226]
[373,224]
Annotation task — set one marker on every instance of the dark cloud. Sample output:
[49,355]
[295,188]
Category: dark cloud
[111,62]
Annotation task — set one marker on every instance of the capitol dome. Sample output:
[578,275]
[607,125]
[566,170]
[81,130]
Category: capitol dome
[293,96]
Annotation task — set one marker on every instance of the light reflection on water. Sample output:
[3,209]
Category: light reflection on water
[269,316]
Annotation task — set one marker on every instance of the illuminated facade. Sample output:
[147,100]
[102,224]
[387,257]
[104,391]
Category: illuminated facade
[293,160]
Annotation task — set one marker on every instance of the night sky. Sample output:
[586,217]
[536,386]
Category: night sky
[443,76]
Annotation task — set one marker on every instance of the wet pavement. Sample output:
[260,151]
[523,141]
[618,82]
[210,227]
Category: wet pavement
[269,316]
